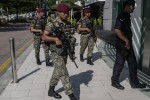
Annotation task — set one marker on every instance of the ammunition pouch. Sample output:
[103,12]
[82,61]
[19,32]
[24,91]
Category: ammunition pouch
[59,50]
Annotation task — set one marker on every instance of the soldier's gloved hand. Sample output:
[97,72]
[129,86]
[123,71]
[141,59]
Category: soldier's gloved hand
[58,41]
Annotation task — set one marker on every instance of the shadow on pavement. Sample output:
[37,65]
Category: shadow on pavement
[77,80]
[28,74]
[96,56]
[146,90]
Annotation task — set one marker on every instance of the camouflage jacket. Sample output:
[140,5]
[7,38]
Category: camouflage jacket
[51,26]
[84,21]
[38,24]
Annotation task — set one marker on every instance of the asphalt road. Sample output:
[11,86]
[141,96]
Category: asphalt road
[22,36]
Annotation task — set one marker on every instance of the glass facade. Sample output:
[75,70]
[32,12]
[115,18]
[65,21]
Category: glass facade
[145,52]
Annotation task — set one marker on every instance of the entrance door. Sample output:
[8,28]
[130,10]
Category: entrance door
[146,28]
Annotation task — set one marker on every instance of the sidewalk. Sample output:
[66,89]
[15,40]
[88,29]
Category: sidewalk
[89,82]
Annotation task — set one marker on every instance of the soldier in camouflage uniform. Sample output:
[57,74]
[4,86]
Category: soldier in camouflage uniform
[37,27]
[86,40]
[60,71]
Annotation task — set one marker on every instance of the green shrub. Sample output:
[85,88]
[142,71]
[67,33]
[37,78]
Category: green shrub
[100,20]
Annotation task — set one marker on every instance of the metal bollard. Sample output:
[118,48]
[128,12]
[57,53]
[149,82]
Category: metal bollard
[12,53]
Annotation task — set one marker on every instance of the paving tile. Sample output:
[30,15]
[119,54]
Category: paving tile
[38,93]
[27,98]
[5,98]
[23,93]
[30,86]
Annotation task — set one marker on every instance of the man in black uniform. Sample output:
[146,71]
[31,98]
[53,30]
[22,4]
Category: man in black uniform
[124,48]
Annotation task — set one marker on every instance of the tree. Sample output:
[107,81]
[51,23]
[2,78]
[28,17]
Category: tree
[18,6]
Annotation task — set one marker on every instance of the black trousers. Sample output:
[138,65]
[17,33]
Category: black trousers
[122,55]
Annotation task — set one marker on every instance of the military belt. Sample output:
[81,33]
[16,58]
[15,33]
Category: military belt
[84,33]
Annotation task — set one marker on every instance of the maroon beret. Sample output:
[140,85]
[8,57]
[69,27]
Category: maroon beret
[87,10]
[63,7]
[39,10]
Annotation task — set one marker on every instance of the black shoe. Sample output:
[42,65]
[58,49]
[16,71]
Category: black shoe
[89,61]
[48,63]
[139,85]
[52,93]
[118,86]
[72,97]
[81,58]
[38,61]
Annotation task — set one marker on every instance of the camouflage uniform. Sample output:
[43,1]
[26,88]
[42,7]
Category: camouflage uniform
[39,24]
[46,50]
[85,38]
[60,70]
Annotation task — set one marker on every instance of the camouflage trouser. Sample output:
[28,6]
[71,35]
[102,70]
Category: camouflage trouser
[60,73]
[85,41]
[37,43]
[46,50]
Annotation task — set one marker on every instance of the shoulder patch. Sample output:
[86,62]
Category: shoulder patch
[121,20]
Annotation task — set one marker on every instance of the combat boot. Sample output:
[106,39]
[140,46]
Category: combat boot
[89,61]
[48,63]
[81,58]
[52,93]
[38,61]
[72,97]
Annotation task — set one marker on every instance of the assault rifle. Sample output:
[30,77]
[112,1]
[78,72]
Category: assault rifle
[65,48]
[92,33]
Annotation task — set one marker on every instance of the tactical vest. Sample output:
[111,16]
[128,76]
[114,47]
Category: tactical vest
[84,22]
[63,28]
[40,25]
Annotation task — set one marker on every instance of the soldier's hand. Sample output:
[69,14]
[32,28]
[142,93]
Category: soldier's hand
[88,30]
[58,41]
[41,31]
[127,44]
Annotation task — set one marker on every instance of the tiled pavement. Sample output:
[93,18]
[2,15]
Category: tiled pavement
[89,82]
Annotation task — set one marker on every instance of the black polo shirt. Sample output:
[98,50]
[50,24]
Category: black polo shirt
[123,23]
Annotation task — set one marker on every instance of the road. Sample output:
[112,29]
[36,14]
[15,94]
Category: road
[21,33]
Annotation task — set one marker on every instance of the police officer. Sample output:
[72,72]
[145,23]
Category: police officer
[60,71]
[124,48]
[86,40]
[37,27]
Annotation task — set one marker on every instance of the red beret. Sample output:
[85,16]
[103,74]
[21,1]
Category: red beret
[39,10]
[87,10]
[63,7]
